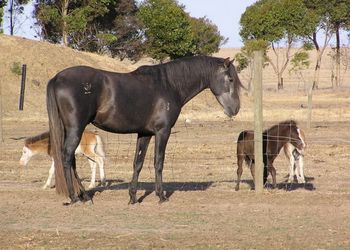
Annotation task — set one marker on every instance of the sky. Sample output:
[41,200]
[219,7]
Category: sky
[225,14]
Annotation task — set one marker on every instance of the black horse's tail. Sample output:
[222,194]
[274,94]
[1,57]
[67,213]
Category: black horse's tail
[56,144]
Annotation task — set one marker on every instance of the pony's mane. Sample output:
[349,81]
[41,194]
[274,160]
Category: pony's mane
[37,138]
[280,126]
[178,72]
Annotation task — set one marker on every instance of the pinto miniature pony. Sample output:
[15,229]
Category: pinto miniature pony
[296,160]
[90,145]
[283,134]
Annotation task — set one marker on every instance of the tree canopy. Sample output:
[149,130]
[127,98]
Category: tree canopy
[104,26]
[122,28]
[276,22]
[167,29]
[171,32]
[2,5]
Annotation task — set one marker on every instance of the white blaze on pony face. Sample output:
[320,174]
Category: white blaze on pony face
[26,156]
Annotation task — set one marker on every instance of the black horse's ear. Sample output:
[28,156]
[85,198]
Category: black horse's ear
[227,62]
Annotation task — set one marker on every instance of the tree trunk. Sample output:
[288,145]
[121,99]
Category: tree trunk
[337,58]
[317,72]
[280,82]
[11,17]
[65,4]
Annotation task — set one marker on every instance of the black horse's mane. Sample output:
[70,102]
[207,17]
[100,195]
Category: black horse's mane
[178,72]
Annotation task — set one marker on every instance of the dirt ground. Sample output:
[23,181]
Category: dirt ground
[204,211]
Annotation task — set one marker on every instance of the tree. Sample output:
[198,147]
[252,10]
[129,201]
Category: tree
[206,36]
[15,9]
[245,58]
[167,29]
[299,62]
[277,22]
[128,31]
[2,5]
[103,26]
[62,19]
[339,12]
[319,9]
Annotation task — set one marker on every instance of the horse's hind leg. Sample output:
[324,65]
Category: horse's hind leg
[71,143]
[252,170]
[239,170]
[140,153]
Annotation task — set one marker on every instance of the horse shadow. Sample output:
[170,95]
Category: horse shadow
[308,185]
[148,187]
[171,187]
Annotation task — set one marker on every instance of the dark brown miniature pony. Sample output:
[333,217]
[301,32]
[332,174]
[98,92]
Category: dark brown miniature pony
[274,139]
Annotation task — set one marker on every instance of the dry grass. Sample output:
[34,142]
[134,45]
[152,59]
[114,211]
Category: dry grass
[204,211]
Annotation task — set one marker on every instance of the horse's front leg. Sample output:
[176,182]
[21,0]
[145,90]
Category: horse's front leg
[93,173]
[159,155]
[300,169]
[291,169]
[140,153]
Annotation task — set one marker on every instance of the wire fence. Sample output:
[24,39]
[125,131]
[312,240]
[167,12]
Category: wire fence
[203,143]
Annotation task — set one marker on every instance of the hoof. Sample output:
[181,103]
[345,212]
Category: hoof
[84,197]
[237,188]
[73,201]
[103,183]
[301,181]
[132,201]
[162,198]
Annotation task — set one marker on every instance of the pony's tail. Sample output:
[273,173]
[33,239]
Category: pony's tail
[57,134]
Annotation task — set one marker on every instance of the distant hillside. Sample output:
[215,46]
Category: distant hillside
[43,61]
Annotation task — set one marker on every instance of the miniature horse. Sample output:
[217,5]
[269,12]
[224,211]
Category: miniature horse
[146,101]
[296,160]
[274,139]
[90,145]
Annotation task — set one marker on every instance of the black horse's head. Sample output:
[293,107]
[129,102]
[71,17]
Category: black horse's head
[225,86]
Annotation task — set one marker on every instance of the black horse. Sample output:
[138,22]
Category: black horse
[146,101]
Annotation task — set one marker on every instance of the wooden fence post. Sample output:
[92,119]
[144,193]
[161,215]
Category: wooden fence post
[258,121]
[23,84]
[1,98]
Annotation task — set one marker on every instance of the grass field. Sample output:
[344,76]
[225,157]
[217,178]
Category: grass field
[204,211]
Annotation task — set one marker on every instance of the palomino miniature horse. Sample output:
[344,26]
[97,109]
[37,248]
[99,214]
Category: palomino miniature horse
[296,160]
[90,145]
[274,139]
[146,101]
